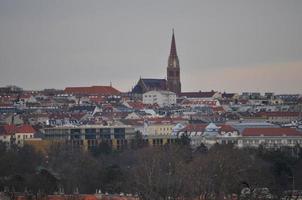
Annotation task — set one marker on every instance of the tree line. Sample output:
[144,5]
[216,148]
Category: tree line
[172,171]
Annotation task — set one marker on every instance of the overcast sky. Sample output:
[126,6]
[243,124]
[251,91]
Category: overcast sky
[226,45]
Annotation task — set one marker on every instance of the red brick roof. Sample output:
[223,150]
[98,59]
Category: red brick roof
[25,129]
[12,129]
[266,132]
[227,128]
[102,90]
[7,129]
[136,105]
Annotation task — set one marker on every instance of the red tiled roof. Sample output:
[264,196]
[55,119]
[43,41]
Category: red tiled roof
[7,129]
[25,129]
[12,129]
[102,90]
[218,109]
[271,132]
[279,114]
[227,128]
[136,105]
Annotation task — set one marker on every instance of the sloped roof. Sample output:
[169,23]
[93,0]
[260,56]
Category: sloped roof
[102,90]
[266,132]
[136,105]
[12,129]
[228,95]
[227,128]
[149,84]
[279,114]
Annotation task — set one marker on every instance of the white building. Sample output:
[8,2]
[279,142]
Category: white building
[11,134]
[161,98]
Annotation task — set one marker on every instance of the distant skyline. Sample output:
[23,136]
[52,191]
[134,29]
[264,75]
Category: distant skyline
[232,46]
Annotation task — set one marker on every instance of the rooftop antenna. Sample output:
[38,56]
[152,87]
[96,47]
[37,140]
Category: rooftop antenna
[110,84]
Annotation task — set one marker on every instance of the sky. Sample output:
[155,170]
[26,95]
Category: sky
[224,45]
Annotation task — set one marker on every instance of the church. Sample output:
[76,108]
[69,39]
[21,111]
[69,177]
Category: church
[173,76]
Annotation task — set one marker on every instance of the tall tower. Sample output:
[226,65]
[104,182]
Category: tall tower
[173,69]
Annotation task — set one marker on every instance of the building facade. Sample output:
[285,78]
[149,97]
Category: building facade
[90,136]
[161,98]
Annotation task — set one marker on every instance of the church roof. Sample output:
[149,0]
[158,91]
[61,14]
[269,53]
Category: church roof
[149,84]
[101,90]
[173,51]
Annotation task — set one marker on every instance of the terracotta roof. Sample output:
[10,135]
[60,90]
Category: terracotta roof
[227,128]
[7,129]
[12,129]
[25,129]
[279,114]
[102,90]
[136,105]
[218,109]
[266,132]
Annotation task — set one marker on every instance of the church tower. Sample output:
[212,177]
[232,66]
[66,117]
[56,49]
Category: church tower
[173,69]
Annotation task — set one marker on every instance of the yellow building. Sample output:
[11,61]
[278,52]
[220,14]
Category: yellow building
[159,129]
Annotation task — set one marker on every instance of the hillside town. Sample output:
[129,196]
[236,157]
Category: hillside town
[155,108]
[88,115]
[153,142]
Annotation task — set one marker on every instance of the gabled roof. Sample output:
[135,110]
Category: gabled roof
[267,132]
[155,83]
[149,84]
[12,129]
[101,90]
[227,128]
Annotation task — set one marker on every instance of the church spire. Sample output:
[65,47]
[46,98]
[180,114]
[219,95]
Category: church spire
[173,51]
[173,69]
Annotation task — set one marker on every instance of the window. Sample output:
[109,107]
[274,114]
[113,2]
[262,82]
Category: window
[90,133]
[119,133]
[75,133]
[105,133]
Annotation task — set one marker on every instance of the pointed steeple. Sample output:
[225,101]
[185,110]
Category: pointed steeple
[173,69]
[173,51]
